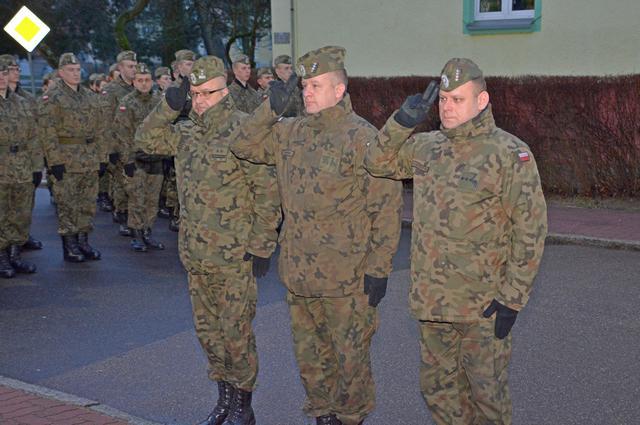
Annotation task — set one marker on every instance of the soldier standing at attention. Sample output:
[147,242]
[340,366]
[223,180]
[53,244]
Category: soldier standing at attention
[20,169]
[264,78]
[162,75]
[113,94]
[74,148]
[143,172]
[283,69]
[341,229]
[230,211]
[479,224]
[244,96]
[16,87]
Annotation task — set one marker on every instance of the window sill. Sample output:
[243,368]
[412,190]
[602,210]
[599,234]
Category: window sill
[499,26]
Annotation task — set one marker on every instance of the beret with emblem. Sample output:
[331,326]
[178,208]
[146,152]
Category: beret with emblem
[127,55]
[142,68]
[241,58]
[320,61]
[8,60]
[282,59]
[161,70]
[185,55]
[67,59]
[264,71]
[206,68]
[458,71]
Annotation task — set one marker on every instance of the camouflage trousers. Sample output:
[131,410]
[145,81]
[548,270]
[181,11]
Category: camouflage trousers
[104,183]
[16,201]
[75,197]
[117,186]
[463,374]
[332,337]
[143,191]
[224,305]
[171,192]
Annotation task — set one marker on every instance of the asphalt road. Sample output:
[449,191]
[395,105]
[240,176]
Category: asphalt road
[119,331]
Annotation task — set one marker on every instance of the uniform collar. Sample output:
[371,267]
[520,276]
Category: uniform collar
[328,117]
[144,96]
[238,82]
[483,123]
[66,87]
[123,83]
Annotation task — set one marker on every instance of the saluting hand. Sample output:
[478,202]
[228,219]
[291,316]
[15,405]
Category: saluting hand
[177,96]
[415,108]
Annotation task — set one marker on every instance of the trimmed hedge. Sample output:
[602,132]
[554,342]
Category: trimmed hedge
[583,131]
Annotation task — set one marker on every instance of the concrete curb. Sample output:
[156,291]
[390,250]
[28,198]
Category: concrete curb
[581,240]
[74,400]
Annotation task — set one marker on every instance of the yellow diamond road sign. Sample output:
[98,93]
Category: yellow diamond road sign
[27,29]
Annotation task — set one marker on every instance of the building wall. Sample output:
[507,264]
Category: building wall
[416,37]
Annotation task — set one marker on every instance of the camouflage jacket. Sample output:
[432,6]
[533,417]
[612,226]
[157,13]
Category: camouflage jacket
[133,108]
[339,222]
[479,215]
[112,94]
[72,129]
[20,150]
[245,97]
[263,93]
[227,206]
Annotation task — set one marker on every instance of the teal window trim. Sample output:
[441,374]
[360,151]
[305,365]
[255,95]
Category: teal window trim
[500,26]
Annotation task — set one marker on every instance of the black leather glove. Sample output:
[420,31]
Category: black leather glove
[376,288]
[415,108]
[280,93]
[58,171]
[114,157]
[37,178]
[260,265]
[177,96]
[130,169]
[103,169]
[505,318]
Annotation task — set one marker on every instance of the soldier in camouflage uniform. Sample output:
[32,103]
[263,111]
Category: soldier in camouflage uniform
[16,87]
[230,210]
[264,78]
[479,224]
[245,97]
[113,94]
[341,229]
[162,74]
[283,69]
[72,136]
[20,170]
[143,173]
[163,77]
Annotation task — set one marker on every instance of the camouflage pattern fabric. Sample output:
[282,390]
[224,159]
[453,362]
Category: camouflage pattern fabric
[133,108]
[461,359]
[172,191]
[224,305]
[480,217]
[143,192]
[16,202]
[75,197]
[332,337]
[246,97]
[295,108]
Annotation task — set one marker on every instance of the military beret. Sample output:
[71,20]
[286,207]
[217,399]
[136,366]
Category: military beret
[8,60]
[241,58]
[458,71]
[264,71]
[113,67]
[160,71]
[286,59]
[185,55]
[67,59]
[206,68]
[142,68]
[127,55]
[320,61]
[93,77]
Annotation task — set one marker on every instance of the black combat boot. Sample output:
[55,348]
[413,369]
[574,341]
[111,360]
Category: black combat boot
[149,241]
[164,212]
[6,269]
[90,253]
[32,243]
[104,203]
[174,223]
[137,243]
[241,412]
[124,230]
[220,412]
[17,263]
[328,420]
[71,250]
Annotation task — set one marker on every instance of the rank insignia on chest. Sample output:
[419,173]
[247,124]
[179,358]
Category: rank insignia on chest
[523,156]
[287,153]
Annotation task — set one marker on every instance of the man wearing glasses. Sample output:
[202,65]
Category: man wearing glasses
[229,212]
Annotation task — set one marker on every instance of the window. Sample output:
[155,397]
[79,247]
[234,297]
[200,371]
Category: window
[496,16]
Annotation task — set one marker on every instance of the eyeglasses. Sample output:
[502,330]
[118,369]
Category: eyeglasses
[204,93]
[4,73]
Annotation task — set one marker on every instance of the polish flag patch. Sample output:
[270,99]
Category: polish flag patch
[523,156]
[45,97]
[123,108]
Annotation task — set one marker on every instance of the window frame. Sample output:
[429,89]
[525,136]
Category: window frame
[506,13]
[505,22]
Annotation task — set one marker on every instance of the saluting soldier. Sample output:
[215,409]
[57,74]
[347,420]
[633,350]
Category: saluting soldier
[75,151]
[21,166]
[113,93]
[341,228]
[244,96]
[479,224]
[230,211]
[143,172]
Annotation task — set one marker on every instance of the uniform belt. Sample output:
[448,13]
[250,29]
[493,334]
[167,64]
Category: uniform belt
[74,140]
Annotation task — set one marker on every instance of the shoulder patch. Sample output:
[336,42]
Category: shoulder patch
[123,108]
[523,156]
[104,92]
[45,97]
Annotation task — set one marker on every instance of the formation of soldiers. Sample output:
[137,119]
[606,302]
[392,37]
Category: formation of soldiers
[239,170]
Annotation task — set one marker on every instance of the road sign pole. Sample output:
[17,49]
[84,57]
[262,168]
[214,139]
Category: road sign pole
[33,80]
